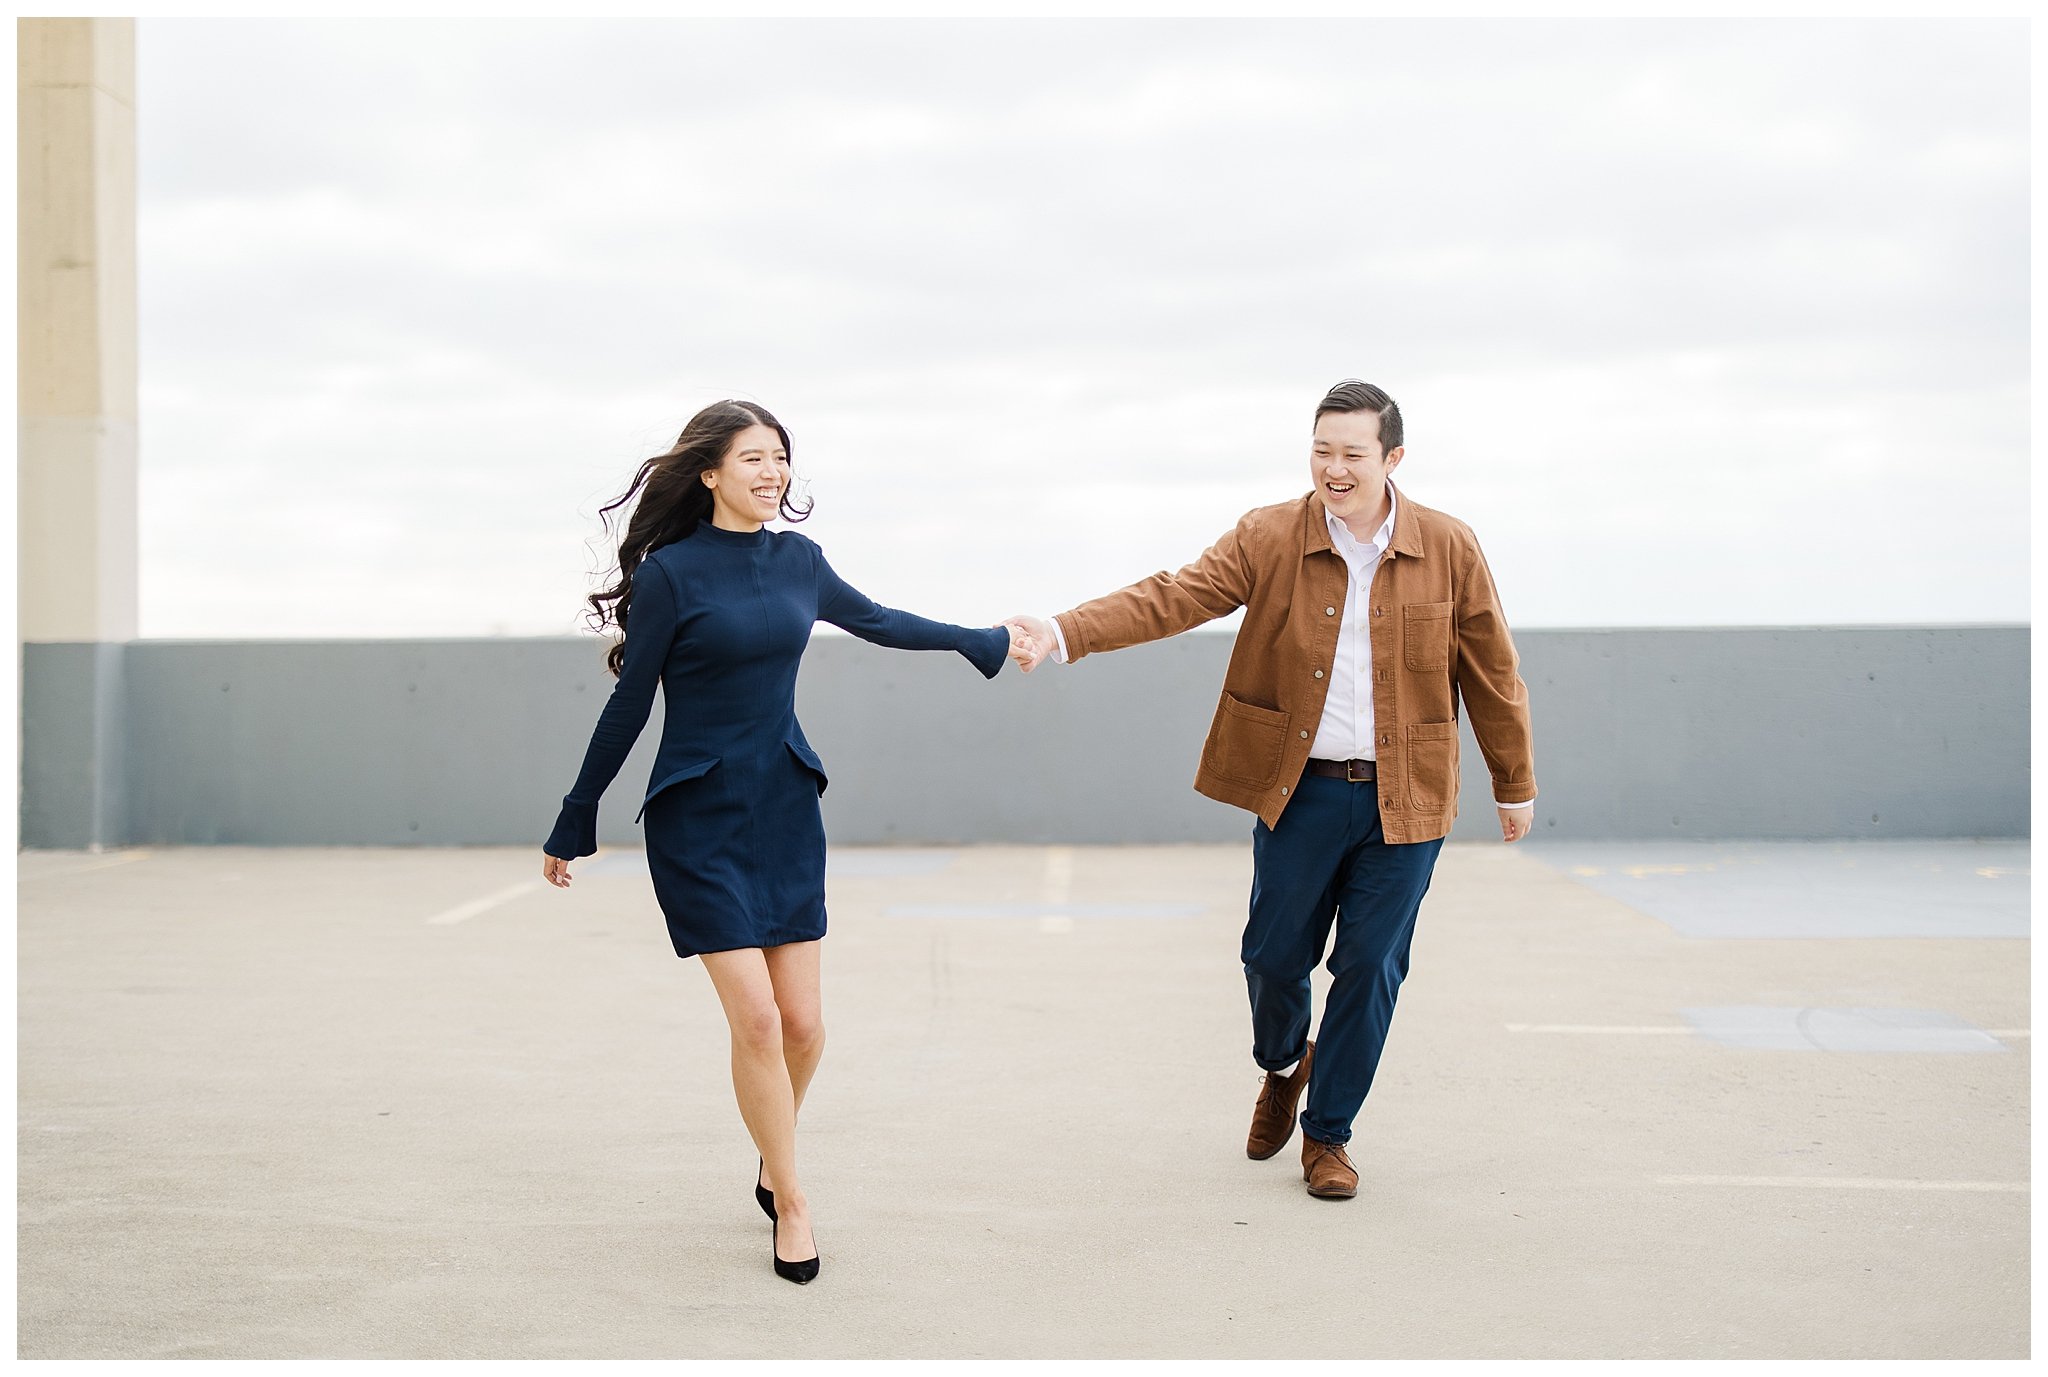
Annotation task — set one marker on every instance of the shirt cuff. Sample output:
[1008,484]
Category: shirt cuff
[1528,803]
[1059,638]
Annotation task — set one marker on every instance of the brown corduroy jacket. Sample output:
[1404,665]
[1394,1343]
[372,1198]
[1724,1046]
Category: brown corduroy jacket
[1437,635]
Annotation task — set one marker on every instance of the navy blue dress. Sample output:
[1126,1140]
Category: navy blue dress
[735,841]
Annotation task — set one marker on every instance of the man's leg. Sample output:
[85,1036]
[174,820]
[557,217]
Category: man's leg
[1293,900]
[1378,891]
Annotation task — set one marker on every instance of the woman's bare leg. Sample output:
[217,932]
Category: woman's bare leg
[794,971]
[761,1083]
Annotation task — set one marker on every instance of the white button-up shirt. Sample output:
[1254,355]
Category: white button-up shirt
[1345,733]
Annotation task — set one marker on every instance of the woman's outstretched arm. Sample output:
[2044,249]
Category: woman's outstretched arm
[849,609]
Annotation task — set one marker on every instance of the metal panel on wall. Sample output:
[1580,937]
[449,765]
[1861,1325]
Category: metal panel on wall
[1794,732]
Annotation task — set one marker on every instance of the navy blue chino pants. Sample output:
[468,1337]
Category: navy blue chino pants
[1328,860]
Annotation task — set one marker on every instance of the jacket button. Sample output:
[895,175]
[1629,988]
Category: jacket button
[1319,674]
[1377,610]
[1304,736]
[1283,791]
[1329,611]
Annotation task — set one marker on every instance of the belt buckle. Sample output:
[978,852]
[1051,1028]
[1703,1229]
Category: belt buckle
[1351,778]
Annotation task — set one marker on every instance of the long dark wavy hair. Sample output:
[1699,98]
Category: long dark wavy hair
[672,500]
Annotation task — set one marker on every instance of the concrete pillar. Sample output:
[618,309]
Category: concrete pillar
[76,450]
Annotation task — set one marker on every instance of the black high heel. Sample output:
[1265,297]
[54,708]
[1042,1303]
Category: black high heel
[762,1195]
[798,1272]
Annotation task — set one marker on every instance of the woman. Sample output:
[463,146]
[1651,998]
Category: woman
[717,609]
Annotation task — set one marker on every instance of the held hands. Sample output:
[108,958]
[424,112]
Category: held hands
[1031,640]
[1515,823]
[1022,648]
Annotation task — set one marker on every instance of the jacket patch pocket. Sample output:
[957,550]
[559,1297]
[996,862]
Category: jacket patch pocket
[1246,742]
[1426,635]
[810,761]
[1432,764]
[691,771]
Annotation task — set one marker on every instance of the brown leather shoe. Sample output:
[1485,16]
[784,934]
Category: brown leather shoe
[1273,1115]
[1327,1169]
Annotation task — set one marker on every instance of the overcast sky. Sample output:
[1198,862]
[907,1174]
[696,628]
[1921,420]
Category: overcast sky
[1693,322]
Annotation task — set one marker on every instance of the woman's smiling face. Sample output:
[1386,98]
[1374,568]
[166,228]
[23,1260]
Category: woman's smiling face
[747,486]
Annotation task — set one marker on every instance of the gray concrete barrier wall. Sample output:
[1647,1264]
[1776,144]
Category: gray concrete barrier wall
[1795,732]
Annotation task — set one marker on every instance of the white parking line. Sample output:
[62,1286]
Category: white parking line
[1855,1183]
[1671,1029]
[103,863]
[1059,875]
[1649,1028]
[471,909]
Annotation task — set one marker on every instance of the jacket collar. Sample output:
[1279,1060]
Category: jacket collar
[1406,540]
[1315,528]
[1407,526]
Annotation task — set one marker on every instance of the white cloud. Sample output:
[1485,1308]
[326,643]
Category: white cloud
[1713,305]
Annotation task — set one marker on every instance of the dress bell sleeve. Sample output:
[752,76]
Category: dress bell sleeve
[650,630]
[849,609]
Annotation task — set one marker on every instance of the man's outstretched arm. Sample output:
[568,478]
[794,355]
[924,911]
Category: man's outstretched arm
[1216,584]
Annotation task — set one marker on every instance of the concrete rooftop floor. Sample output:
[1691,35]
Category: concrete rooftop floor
[1639,1101]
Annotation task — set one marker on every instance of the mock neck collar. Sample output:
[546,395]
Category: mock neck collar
[717,535]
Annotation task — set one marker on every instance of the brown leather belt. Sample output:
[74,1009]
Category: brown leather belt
[1357,771]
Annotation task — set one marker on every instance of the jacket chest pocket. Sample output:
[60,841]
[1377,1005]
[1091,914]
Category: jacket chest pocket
[1426,635]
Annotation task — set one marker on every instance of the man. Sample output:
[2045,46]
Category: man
[1368,617]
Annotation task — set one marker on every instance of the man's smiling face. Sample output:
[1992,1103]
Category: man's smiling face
[1347,466]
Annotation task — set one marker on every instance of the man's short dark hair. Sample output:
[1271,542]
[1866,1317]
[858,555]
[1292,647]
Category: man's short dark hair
[1353,395]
